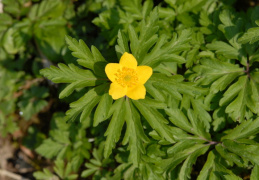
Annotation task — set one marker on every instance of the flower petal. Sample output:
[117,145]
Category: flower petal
[139,92]
[117,91]
[144,73]
[128,60]
[111,69]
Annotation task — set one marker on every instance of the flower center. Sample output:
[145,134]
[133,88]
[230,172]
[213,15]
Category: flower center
[126,77]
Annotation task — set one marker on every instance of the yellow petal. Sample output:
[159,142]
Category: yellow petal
[144,73]
[117,91]
[128,60]
[139,92]
[111,69]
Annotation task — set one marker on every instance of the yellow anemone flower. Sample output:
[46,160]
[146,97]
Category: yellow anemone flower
[127,78]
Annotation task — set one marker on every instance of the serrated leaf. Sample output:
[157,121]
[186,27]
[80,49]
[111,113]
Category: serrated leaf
[244,130]
[133,7]
[156,120]
[170,163]
[251,36]
[85,104]
[231,157]
[92,60]
[197,124]
[78,78]
[33,101]
[88,172]
[178,118]
[225,49]
[102,109]
[246,151]
[175,86]
[46,174]
[134,134]
[201,112]
[165,51]
[220,74]
[239,96]
[49,148]
[43,9]
[122,46]
[213,169]
[115,126]
[186,168]
[207,167]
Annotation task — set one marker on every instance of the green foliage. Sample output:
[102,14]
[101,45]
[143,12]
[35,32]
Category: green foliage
[199,119]
[32,101]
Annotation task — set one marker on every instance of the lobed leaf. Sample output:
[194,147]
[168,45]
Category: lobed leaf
[92,60]
[246,151]
[175,86]
[217,73]
[102,109]
[135,134]
[113,131]
[78,78]
[213,169]
[156,120]
[170,163]
[85,104]
[49,148]
[244,130]
[165,51]
[251,36]
[239,96]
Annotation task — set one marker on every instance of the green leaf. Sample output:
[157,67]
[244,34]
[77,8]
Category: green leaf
[244,130]
[218,74]
[156,120]
[5,20]
[33,101]
[194,125]
[88,172]
[133,7]
[49,148]
[85,104]
[64,171]
[92,60]
[225,49]
[197,124]
[246,151]
[122,46]
[251,36]
[102,109]
[46,174]
[45,8]
[213,169]
[134,134]
[177,117]
[14,38]
[115,126]
[230,157]
[50,42]
[186,169]
[78,78]
[170,163]
[165,51]
[255,173]
[239,96]
[175,86]
[207,167]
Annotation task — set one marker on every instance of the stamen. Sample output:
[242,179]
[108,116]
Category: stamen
[126,77]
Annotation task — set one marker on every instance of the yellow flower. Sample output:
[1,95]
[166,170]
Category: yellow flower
[127,78]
